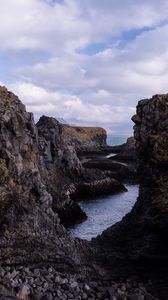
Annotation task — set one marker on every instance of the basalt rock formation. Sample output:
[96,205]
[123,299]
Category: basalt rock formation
[38,259]
[127,151]
[138,244]
[63,174]
[59,167]
[114,169]
[27,222]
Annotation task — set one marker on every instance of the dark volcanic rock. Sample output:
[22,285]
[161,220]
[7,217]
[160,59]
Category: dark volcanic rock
[59,166]
[71,213]
[38,258]
[29,229]
[98,188]
[119,171]
[63,174]
[139,241]
[53,148]
[127,151]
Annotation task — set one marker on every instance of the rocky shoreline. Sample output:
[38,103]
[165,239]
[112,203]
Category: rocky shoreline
[62,171]
[39,173]
[45,283]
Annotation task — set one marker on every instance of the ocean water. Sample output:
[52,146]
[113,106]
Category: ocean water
[114,140]
[104,212]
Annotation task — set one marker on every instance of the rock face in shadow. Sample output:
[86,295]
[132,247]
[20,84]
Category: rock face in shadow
[139,241]
[127,151]
[97,188]
[63,174]
[119,171]
[59,167]
[30,230]
[28,225]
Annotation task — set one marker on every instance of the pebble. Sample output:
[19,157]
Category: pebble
[86,287]
[57,279]
[47,297]
[64,281]
[74,285]
[45,285]
[84,297]
[137,297]
[48,284]
[50,270]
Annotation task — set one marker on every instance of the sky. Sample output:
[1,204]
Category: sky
[86,61]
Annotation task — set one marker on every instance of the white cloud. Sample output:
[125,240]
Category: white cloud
[80,80]
[74,24]
[68,106]
[121,75]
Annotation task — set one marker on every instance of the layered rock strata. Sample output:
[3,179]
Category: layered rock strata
[119,171]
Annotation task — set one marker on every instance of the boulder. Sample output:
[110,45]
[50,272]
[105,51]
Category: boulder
[127,151]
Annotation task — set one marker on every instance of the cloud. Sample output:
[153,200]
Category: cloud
[85,60]
[73,24]
[137,70]
[33,24]
[70,107]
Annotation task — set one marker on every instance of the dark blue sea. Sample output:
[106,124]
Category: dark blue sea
[105,211]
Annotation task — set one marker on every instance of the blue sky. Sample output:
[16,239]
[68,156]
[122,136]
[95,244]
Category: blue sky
[87,61]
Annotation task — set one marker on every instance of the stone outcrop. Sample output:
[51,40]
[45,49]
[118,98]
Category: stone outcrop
[139,241]
[29,228]
[114,169]
[38,258]
[127,151]
[97,188]
[59,167]
[63,174]
[84,138]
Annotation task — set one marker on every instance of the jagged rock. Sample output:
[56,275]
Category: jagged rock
[32,242]
[98,188]
[139,241]
[29,229]
[54,149]
[127,151]
[59,165]
[63,173]
[119,171]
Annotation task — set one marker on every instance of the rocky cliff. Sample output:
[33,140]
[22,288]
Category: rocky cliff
[59,168]
[27,222]
[139,241]
[126,151]
[37,255]
[63,174]
[84,138]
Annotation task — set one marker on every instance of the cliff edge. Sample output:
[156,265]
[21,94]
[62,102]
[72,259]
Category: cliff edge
[84,138]
[28,224]
[139,242]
